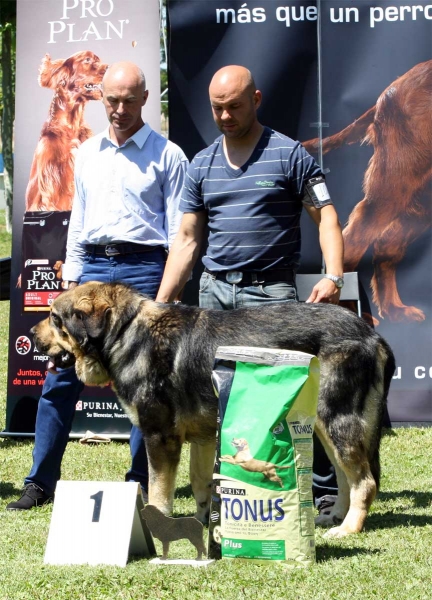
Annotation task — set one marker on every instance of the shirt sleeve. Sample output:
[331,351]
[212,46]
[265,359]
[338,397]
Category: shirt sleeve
[75,252]
[172,187]
[191,199]
[302,167]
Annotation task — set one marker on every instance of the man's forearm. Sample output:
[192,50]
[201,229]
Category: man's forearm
[181,260]
[331,243]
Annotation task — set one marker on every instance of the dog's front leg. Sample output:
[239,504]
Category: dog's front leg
[200,471]
[163,453]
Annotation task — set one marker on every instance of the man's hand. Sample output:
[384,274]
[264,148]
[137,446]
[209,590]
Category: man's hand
[325,291]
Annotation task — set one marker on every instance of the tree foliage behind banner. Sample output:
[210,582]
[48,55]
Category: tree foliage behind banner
[7,98]
[321,66]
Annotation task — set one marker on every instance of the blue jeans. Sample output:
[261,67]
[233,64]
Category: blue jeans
[60,392]
[218,294]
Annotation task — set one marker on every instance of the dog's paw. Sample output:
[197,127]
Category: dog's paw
[398,314]
[338,532]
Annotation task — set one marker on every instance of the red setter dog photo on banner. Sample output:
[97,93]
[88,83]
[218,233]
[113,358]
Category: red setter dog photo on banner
[360,102]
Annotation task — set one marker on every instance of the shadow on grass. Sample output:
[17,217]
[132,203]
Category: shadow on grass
[420,499]
[325,553]
[390,520]
[185,491]
[15,442]
[8,489]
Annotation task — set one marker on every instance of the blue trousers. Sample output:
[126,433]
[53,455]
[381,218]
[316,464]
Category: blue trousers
[60,392]
[218,294]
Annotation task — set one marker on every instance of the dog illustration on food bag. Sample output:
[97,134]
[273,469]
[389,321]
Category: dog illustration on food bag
[396,208]
[244,459]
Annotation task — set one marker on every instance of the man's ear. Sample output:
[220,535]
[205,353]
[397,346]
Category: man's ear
[257,99]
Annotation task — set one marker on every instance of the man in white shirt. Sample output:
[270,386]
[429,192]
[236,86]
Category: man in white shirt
[125,214]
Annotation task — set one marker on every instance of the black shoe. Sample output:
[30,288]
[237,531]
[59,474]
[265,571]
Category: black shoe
[32,496]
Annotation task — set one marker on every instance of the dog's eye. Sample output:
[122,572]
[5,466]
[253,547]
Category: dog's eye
[56,320]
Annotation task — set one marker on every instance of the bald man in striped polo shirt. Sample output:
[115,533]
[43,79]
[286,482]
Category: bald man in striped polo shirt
[250,187]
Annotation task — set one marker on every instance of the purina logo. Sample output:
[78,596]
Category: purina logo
[23,345]
[79,405]
[265,183]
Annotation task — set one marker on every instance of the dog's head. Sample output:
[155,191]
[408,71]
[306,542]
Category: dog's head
[76,329]
[79,76]
[240,444]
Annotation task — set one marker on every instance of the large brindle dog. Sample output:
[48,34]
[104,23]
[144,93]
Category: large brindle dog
[159,358]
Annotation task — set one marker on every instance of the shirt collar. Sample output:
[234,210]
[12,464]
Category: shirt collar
[139,138]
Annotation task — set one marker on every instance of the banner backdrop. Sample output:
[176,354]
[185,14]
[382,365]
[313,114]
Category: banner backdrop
[321,66]
[63,49]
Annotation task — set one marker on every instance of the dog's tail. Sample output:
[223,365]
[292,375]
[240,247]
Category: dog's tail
[389,368]
[355,132]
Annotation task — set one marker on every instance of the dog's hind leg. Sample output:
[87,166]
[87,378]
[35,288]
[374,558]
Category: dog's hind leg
[363,490]
[200,470]
[340,508]
[356,450]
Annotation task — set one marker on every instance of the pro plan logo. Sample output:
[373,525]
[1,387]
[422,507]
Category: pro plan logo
[23,345]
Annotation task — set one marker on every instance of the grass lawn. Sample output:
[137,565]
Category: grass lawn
[390,560]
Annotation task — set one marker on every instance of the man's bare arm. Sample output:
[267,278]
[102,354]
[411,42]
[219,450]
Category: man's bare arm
[331,242]
[183,256]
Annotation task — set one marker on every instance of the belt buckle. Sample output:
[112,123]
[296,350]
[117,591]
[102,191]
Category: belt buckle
[111,250]
[234,276]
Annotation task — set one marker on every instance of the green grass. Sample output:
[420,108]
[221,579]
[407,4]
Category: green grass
[390,560]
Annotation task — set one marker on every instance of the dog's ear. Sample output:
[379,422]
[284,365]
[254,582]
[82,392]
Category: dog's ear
[89,319]
[50,72]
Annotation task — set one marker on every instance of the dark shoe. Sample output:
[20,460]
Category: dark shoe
[32,496]
[325,504]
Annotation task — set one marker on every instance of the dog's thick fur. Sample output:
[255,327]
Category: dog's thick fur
[75,81]
[166,529]
[246,461]
[396,208]
[160,357]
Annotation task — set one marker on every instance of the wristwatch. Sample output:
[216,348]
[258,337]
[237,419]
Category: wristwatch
[338,281]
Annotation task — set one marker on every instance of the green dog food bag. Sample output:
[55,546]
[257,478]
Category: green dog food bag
[262,506]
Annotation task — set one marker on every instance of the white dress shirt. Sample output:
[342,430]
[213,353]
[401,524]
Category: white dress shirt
[129,193]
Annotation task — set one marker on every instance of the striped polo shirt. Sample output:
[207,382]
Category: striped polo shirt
[254,211]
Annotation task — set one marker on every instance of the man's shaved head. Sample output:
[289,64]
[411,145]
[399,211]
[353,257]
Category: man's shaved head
[233,75]
[235,100]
